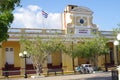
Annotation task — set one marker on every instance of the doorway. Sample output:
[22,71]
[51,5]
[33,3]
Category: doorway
[9,55]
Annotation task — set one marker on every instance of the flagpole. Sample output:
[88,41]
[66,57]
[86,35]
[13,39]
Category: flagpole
[44,15]
[43,22]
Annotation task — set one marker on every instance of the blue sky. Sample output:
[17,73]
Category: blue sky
[106,12]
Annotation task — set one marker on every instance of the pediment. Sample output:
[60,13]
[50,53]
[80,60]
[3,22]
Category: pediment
[82,9]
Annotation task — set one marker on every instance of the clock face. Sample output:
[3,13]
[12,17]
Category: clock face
[81,21]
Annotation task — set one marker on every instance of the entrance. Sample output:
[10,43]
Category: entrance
[9,55]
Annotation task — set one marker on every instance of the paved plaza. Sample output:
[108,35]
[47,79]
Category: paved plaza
[94,76]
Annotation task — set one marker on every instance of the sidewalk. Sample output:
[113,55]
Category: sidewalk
[95,76]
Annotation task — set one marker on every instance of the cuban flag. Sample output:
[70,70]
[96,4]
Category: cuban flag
[44,14]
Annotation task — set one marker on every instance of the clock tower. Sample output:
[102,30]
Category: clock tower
[78,20]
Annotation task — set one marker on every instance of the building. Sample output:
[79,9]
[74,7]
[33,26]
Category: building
[77,22]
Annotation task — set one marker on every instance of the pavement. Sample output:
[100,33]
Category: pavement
[94,76]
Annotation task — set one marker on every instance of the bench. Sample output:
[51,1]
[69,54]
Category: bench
[54,70]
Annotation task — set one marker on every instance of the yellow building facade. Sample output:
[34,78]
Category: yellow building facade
[77,22]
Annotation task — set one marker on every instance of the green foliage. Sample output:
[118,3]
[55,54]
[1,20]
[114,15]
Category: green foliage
[91,47]
[103,46]
[116,30]
[6,5]
[40,49]
[6,16]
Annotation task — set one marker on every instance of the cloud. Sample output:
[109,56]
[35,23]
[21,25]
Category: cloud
[33,7]
[31,17]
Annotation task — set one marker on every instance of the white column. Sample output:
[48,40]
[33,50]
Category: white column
[118,72]
[115,61]
[22,64]
[88,21]
[49,59]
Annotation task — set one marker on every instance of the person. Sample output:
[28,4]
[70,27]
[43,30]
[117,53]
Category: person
[6,66]
[78,68]
[6,69]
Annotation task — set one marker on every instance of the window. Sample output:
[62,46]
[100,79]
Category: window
[11,49]
[6,49]
[81,21]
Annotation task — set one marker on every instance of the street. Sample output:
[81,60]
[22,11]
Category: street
[94,76]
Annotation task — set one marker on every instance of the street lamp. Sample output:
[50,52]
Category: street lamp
[24,55]
[116,43]
[118,36]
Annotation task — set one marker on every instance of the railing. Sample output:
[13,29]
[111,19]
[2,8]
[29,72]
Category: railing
[17,72]
[15,33]
[107,34]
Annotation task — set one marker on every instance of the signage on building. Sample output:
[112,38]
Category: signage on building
[82,31]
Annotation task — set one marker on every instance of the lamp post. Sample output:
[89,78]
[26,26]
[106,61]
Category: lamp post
[73,58]
[25,56]
[106,68]
[116,43]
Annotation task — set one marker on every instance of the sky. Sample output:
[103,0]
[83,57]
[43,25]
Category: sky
[106,13]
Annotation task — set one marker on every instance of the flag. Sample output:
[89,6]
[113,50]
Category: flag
[44,14]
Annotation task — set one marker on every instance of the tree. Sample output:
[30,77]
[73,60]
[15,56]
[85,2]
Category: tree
[6,16]
[39,50]
[91,49]
[116,31]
